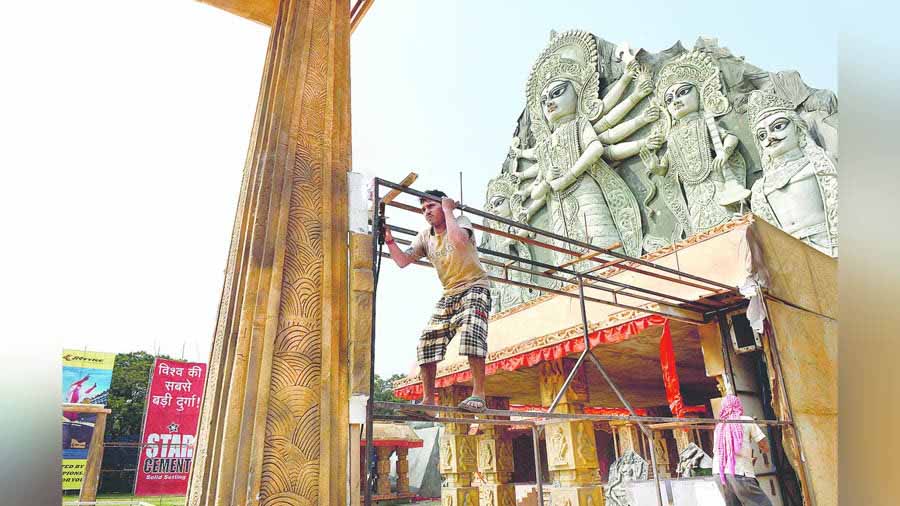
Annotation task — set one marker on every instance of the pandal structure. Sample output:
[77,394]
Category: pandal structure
[670,306]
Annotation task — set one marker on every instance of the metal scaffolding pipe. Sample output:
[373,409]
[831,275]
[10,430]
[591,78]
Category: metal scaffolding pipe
[573,296]
[551,235]
[575,274]
[542,417]
[531,418]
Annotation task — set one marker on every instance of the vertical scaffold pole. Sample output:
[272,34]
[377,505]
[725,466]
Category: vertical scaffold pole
[644,429]
[538,472]
[370,404]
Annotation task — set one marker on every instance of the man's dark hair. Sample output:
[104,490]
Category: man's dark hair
[434,193]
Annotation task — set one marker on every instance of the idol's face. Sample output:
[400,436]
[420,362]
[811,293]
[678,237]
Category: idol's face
[558,101]
[682,99]
[499,205]
[776,135]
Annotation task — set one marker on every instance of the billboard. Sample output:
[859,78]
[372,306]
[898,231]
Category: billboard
[171,417]
[86,377]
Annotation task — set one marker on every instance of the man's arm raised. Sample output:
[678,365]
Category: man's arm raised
[458,236]
[397,255]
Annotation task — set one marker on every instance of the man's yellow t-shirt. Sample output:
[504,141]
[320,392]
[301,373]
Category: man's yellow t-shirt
[458,268]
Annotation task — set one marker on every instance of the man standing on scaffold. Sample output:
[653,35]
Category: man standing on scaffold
[449,244]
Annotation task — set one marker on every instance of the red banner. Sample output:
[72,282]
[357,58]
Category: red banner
[170,427]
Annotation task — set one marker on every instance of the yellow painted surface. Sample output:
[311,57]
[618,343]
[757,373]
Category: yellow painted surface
[802,309]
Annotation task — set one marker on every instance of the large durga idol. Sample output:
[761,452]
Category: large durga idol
[575,132]
[704,173]
[636,151]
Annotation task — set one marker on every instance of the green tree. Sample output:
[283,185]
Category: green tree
[128,394]
[384,391]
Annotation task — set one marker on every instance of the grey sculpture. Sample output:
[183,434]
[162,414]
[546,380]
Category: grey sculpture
[574,157]
[629,467]
[798,191]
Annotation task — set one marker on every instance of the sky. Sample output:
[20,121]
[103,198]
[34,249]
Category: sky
[123,165]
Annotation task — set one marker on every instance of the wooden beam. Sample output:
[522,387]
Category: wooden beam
[358,12]
[85,408]
[91,477]
[408,180]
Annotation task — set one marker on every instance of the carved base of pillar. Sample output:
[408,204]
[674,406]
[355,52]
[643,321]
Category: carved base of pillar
[577,496]
[457,456]
[661,447]
[460,496]
[497,494]
[572,453]
[495,458]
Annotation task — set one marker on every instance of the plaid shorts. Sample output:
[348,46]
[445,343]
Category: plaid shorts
[466,312]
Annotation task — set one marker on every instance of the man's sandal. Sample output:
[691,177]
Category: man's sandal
[473,404]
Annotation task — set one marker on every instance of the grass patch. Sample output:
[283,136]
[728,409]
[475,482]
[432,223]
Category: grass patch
[164,500]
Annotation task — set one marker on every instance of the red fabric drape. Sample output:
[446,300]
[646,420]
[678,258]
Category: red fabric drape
[609,335]
[670,376]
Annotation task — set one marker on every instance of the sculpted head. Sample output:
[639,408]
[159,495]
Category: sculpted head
[682,99]
[780,133]
[778,130]
[501,199]
[498,204]
[559,101]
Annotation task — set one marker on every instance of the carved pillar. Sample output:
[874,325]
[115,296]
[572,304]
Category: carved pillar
[383,469]
[685,435]
[571,447]
[661,449]
[495,461]
[457,455]
[553,374]
[274,425]
[402,471]
[628,437]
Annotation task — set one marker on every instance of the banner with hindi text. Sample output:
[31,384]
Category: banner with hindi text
[171,417]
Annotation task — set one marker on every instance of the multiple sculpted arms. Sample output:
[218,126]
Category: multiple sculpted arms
[602,138]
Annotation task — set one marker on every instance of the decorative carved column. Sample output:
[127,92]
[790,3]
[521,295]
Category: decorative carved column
[686,435]
[457,455]
[402,470]
[495,461]
[383,469]
[274,425]
[553,374]
[661,449]
[628,437]
[571,447]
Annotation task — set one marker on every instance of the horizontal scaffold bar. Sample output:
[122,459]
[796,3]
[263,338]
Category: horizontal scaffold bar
[566,240]
[673,316]
[690,304]
[543,418]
